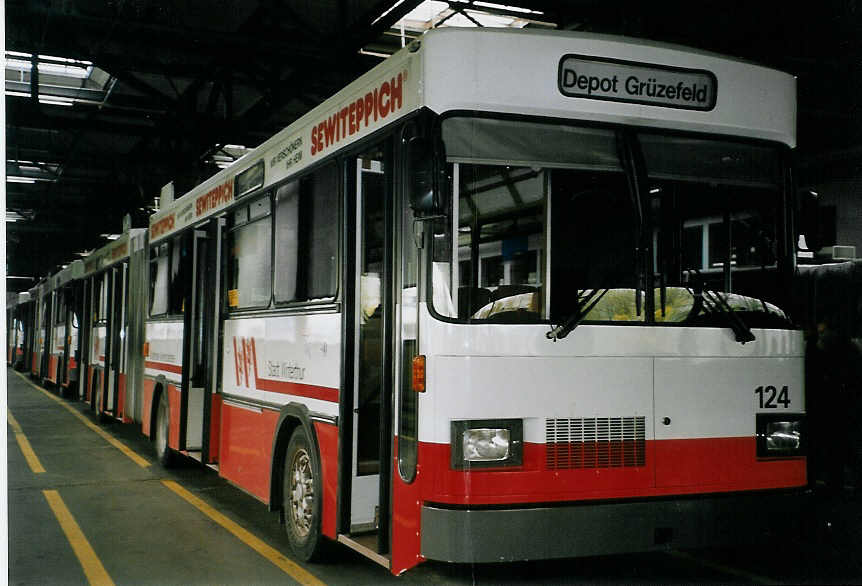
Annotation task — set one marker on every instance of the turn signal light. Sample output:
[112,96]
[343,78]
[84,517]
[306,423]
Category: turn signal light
[419,373]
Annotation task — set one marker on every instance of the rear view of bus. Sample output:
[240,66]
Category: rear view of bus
[604,358]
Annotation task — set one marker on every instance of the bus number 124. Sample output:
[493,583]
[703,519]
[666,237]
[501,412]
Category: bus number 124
[770,397]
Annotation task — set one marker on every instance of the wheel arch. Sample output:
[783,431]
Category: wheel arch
[292,416]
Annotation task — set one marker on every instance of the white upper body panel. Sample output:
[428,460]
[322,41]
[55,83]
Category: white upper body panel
[517,72]
[504,71]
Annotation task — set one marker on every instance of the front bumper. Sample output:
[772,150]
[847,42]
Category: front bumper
[483,535]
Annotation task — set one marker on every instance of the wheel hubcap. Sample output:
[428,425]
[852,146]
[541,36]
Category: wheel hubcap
[301,493]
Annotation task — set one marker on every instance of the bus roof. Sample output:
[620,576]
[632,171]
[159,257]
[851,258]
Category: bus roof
[74,271]
[111,253]
[550,74]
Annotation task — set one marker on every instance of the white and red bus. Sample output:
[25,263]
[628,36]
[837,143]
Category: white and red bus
[17,328]
[62,299]
[41,310]
[509,295]
[114,292]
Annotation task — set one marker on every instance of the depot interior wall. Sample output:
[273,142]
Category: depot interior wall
[844,194]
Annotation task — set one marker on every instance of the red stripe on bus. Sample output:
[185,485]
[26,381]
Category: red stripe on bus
[299,389]
[671,467]
[175,368]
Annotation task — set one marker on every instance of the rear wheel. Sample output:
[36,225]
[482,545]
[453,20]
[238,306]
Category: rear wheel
[301,496]
[164,454]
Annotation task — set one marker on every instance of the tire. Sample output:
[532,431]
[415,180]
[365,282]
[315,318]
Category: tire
[164,454]
[301,497]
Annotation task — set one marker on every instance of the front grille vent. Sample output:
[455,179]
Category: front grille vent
[595,442]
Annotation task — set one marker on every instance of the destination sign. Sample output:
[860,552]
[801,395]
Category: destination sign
[636,83]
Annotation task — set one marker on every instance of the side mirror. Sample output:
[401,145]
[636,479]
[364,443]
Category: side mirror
[809,218]
[425,183]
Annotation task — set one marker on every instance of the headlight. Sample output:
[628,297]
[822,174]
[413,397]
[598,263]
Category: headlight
[487,443]
[780,435]
[783,435]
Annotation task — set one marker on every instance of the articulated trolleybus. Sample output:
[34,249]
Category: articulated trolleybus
[507,296]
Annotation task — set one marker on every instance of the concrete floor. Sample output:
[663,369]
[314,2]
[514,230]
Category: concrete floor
[144,533]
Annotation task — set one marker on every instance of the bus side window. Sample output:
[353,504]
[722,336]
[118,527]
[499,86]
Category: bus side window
[249,245]
[159,279]
[286,241]
[102,308]
[60,317]
[318,220]
[179,272]
[306,237]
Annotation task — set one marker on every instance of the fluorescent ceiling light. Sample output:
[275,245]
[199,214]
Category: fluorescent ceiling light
[55,102]
[507,7]
[393,7]
[49,65]
[374,54]
[22,179]
[48,58]
[110,236]
[45,98]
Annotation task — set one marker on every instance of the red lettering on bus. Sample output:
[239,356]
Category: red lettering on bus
[331,123]
[374,105]
[120,251]
[342,117]
[164,225]
[381,105]
[360,112]
[245,362]
[396,96]
[214,198]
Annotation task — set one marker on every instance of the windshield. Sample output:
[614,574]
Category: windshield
[543,217]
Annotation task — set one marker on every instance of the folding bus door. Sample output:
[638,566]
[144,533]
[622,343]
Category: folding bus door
[372,322]
[115,338]
[200,345]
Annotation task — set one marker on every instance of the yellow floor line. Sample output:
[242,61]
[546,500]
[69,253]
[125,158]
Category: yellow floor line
[23,443]
[293,569]
[90,562]
[140,461]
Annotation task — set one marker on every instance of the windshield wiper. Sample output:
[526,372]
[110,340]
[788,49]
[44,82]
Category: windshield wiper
[585,306]
[713,302]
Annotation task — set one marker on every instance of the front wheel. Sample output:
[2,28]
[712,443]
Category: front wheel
[301,496]
[164,454]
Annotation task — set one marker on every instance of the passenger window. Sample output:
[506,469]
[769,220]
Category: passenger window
[286,241]
[319,216]
[250,256]
[159,279]
[102,310]
[180,271]
[307,237]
